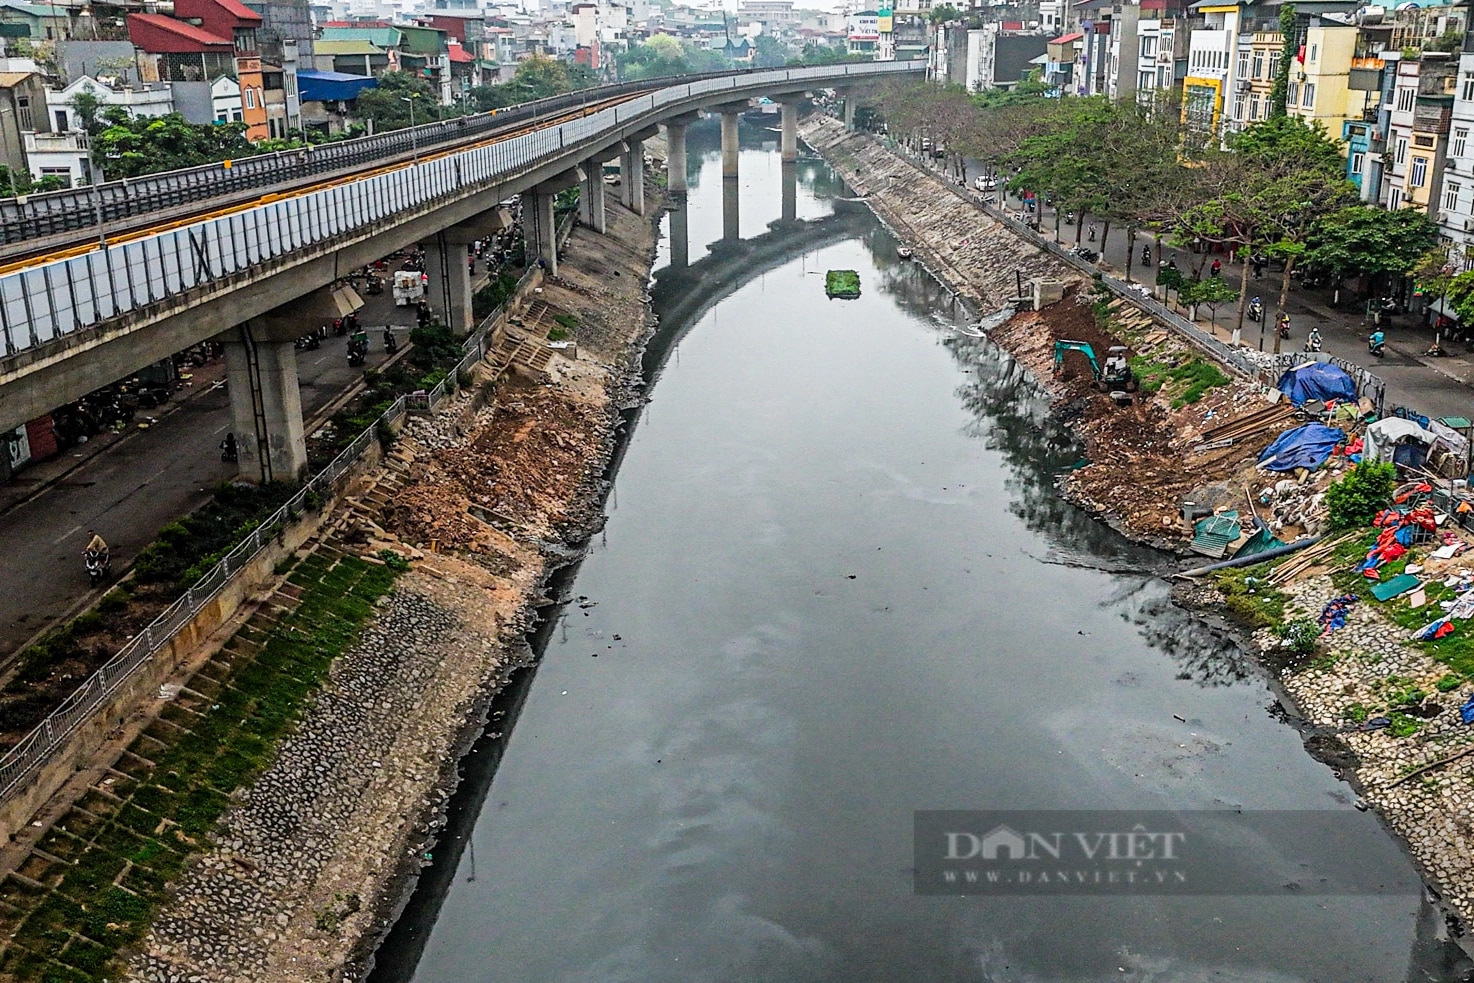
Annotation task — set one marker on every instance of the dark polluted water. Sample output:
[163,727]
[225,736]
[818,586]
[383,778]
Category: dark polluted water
[835,588]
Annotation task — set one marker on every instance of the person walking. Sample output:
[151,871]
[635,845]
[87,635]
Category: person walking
[1216,269]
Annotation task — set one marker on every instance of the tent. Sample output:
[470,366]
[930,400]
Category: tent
[1317,380]
[1383,437]
[1303,447]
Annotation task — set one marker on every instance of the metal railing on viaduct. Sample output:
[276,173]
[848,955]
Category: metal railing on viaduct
[53,297]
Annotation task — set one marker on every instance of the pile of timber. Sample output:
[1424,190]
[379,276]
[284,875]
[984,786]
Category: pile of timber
[1308,559]
[1271,418]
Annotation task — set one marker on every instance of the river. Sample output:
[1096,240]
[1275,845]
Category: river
[835,588]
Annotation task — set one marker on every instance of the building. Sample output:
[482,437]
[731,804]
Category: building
[1161,50]
[863,33]
[1212,56]
[1330,84]
[203,40]
[1456,197]
[42,22]
[1124,43]
[225,100]
[1059,61]
[1256,66]
[22,112]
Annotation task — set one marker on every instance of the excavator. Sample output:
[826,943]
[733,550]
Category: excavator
[1115,377]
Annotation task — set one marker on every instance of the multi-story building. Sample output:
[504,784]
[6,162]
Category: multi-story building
[1419,118]
[1212,57]
[1321,88]
[1161,49]
[863,37]
[1059,65]
[1123,67]
[1092,72]
[1456,197]
[1255,67]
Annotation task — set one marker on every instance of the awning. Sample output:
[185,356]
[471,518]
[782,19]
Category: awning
[317,86]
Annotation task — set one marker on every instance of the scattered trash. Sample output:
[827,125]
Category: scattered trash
[1335,613]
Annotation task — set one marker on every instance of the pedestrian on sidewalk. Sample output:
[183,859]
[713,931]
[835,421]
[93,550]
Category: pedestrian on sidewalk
[1216,268]
[1257,261]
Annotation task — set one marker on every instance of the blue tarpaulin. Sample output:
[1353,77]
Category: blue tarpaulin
[1317,380]
[331,86]
[1303,447]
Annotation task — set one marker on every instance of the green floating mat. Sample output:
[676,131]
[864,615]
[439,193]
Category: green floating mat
[1400,584]
[842,283]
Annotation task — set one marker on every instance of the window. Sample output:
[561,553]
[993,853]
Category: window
[1149,46]
[1401,156]
[250,96]
[1394,199]
[1469,89]
[1451,191]
[1419,172]
[222,117]
[1253,107]
[23,112]
[1461,140]
[1405,99]
[1238,106]
[1425,141]
[1258,70]
[1313,50]
[1145,81]
[61,121]
[64,173]
[1358,162]
[1309,98]
[1274,64]
[1292,94]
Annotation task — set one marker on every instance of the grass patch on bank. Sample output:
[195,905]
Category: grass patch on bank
[126,843]
[1186,383]
[1249,598]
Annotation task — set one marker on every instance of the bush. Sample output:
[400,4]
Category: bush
[1355,500]
[1299,636]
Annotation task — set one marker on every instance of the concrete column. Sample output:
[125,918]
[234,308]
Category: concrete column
[265,406]
[730,230]
[790,131]
[592,200]
[539,229]
[790,190]
[849,110]
[675,162]
[680,250]
[632,176]
[729,142]
[447,264]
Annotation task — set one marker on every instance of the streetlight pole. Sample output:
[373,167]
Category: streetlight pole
[414,138]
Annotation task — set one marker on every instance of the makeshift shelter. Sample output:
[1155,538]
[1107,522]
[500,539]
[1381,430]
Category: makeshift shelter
[1385,438]
[1304,447]
[1317,380]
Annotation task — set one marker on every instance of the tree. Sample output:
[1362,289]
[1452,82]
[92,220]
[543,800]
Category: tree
[1290,31]
[1287,143]
[385,104]
[944,13]
[770,53]
[659,54]
[1371,241]
[1212,291]
[129,147]
[88,108]
[539,77]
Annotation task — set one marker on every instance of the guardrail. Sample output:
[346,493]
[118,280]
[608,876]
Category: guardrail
[29,217]
[49,300]
[38,746]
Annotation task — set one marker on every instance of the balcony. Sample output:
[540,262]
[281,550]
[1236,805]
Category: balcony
[1432,114]
[55,143]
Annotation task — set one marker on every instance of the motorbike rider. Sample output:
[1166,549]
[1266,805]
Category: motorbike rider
[1377,342]
[1312,340]
[391,344]
[1256,309]
[95,554]
[1146,255]
[1284,325]
[228,450]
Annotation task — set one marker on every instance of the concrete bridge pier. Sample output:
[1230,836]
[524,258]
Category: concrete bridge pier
[730,214]
[591,198]
[849,108]
[448,267]
[675,161]
[731,113]
[789,126]
[265,404]
[539,224]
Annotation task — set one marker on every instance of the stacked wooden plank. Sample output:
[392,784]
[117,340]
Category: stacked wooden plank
[1271,419]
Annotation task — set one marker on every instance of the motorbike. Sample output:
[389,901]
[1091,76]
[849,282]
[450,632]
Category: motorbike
[1377,344]
[1312,342]
[1284,326]
[98,563]
[308,343]
[391,344]
[1088,255]
[1256,309]
[357,350]
[339,328]
[228,451]
[1146,255]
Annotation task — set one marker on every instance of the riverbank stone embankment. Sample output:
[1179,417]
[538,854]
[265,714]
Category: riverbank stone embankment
[308,870]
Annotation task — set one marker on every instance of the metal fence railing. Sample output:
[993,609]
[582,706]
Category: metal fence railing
[33,751]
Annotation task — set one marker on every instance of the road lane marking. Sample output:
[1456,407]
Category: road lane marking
[65,535]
